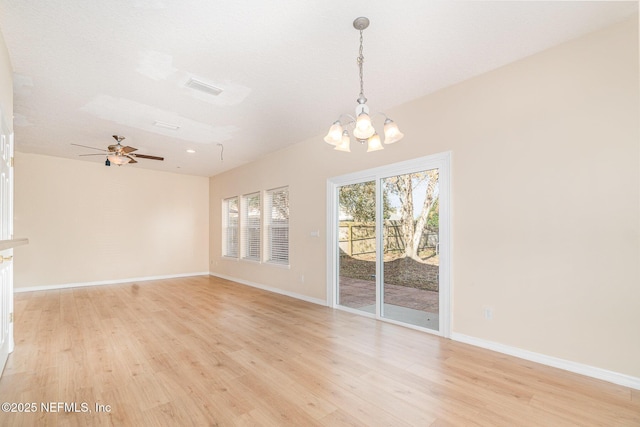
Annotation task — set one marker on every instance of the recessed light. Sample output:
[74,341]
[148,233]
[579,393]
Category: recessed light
[166,125]
[191,151]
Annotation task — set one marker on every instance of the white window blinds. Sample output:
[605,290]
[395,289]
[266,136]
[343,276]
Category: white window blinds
[231,216]
[251,226]
[277,221]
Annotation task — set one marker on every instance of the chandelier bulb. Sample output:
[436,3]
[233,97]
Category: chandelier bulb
[391,132]
[345,143]
[335,133]
[374,143]
[364,129]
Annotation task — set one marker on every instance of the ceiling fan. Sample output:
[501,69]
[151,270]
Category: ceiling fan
[119,154]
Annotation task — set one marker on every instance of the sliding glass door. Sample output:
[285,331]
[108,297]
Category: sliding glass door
[357,246]
[410,264]
[389,243]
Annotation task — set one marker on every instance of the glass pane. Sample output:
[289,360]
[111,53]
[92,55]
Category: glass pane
[357,242]
[231,247]
[278,225]
[251,231]
[411,233]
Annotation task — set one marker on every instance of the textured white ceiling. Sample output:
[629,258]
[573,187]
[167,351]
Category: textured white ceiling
[85,70]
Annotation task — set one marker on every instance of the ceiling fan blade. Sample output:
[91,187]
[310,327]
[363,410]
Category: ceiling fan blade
[128,149]
[82,155]
[86,146]
[132,160]
[144,156]
[112,148]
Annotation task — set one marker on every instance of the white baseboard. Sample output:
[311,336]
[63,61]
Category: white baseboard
[271,289]
[567,365]
[104,282]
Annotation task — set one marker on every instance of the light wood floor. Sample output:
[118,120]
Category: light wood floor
[204,351]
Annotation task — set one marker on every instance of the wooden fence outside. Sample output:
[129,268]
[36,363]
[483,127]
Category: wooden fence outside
[359,238]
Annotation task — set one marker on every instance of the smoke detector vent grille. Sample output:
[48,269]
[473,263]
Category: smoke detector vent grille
[203,87]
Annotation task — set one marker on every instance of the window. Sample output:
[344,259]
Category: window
[277,222]
[230,219]
[251,225]
[255,226]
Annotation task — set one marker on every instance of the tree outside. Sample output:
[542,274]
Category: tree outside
[411,218]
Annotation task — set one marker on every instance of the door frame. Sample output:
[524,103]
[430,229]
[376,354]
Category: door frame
[441,161]
[6,235]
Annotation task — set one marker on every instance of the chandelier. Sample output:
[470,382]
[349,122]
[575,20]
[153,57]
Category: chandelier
[363,130]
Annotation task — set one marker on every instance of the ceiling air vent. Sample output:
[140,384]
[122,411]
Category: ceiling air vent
[166,125]
[203,87]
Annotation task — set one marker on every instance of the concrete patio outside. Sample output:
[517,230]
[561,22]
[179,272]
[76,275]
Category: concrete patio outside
[357,293]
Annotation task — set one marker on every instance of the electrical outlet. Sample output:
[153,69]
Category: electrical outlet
[302,278]
[488,312]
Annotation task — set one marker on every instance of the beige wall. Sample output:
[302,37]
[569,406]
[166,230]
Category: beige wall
[86,222]
[6,83]
[546,200]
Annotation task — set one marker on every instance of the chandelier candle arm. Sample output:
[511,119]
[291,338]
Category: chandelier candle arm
[362,126]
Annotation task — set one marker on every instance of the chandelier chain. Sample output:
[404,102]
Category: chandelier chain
[360,62]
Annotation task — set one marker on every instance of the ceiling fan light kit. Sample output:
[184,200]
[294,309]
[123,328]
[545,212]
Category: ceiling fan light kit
[118,159]
[362,127]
